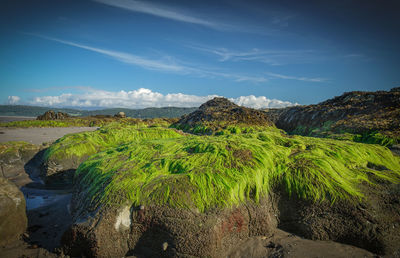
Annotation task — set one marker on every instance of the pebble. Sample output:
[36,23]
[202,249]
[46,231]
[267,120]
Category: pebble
[164,246]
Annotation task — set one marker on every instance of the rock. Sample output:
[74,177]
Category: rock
[220,112]
[13,220]
[354,112]
[159,231]
[16,158]
[365,225]
[120,115]
[51,115]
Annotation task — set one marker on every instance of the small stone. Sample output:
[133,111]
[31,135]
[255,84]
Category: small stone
[165,246]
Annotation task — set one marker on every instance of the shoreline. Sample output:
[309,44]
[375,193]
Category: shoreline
[16,118]
[39,135]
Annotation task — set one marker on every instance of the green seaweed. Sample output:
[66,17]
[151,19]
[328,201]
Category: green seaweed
[228,168]
[84,144]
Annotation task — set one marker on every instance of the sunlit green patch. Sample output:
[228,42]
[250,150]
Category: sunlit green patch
[81,145]
[229,168]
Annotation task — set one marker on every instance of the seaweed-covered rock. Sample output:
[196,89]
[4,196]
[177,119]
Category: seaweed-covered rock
[355,112]
[163,196]
[52,115]
[219,113]
[13,221]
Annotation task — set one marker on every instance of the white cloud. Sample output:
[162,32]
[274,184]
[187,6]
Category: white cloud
[163,11]
[261,102]
[143,98]
[13,100]
[287,77]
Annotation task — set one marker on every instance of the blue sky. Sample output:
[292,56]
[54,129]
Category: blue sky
[128,53]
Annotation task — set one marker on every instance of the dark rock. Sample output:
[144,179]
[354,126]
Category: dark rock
[162,231]
[51,115]
[355,112]
[13,220]
[366,225]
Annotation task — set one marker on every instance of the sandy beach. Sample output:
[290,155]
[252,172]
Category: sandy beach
[39,135]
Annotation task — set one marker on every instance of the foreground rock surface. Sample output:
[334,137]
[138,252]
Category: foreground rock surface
[13,220]
[283,244]
[161,231]
[373,224]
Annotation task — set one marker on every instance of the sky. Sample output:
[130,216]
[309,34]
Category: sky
[136,54]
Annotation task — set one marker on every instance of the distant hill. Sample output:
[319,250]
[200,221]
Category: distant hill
[167,112]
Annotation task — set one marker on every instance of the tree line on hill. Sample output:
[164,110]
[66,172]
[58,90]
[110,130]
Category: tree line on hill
[33,111]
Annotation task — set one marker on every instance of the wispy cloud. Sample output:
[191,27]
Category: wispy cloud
[168,64]
[142,98]
[163,11]
[124,57]
[288,77]
[271,57]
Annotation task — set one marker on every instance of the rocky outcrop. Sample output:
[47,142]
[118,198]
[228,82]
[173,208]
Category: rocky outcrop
[51,115]
[162,231]
[355,112]
[222,112]
[120,115]
[13,221]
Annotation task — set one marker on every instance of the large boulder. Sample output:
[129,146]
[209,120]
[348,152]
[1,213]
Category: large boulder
[13,220]
[198,195]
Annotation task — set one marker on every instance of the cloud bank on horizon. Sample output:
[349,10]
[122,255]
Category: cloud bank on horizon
[142,98]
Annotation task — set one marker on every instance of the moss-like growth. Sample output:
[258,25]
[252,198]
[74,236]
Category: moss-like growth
[81,145]
[160,166]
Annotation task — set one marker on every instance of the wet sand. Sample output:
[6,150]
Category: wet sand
[16,118]
[39,135]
